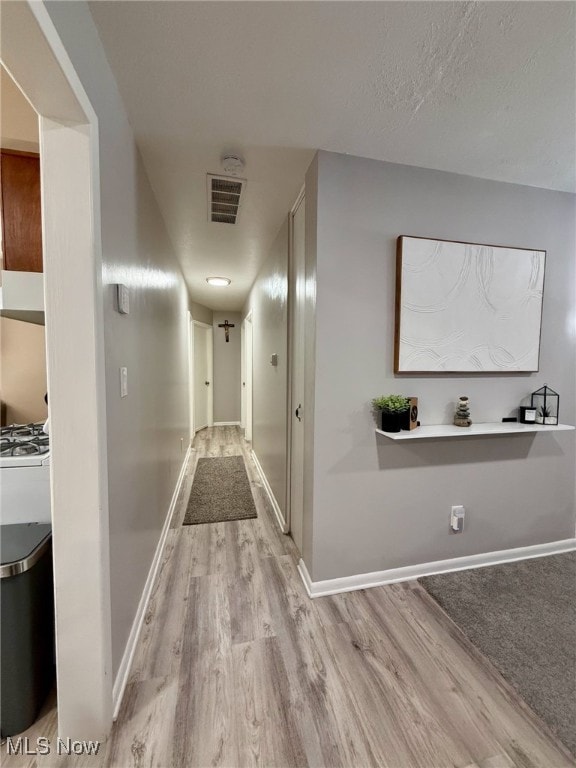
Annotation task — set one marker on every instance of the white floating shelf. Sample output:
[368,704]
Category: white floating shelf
[475,430]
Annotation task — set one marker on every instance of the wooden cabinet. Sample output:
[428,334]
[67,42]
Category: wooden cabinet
[21,214]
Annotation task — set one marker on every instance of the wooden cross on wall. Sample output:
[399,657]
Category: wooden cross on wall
[226,325]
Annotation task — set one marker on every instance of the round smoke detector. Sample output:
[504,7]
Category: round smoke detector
[233,165]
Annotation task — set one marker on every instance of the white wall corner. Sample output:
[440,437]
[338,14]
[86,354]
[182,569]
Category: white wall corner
[128,656]
[305,576]
[275,506]
[411,572]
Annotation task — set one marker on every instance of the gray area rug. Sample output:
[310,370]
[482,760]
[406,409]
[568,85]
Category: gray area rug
[220,492]
[522,616]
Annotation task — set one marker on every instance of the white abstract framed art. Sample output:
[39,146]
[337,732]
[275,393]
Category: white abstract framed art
[467,307]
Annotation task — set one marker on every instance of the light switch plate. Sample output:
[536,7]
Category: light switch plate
[274,360]
[123,297]
[123,382]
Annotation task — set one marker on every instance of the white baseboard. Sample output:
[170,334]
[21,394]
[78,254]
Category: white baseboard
[410,572]
[226,424]
[269,491]
[128,656]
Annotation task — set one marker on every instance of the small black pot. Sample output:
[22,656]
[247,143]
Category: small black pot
[392,422]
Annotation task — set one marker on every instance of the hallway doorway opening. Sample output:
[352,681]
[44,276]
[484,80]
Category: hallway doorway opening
[32,54]
[201,372]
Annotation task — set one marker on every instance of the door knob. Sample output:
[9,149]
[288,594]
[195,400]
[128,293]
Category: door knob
[297,412]
[207,383]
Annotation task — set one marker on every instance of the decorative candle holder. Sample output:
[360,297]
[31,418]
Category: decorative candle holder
[547,405]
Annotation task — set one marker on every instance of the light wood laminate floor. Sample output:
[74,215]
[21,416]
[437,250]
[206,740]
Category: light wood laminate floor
[237,667]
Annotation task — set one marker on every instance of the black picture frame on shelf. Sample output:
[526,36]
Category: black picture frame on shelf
[527,414]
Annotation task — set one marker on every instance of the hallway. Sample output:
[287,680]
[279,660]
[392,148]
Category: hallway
[237,667]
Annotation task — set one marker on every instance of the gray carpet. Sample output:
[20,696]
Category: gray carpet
[522,616]
[220,492]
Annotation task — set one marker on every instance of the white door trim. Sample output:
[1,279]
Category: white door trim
[249,374]
[191,375]
[242,375]
[291,352]
[34,55]
[210,375]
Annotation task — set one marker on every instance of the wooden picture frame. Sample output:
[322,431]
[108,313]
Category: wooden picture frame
[467,307]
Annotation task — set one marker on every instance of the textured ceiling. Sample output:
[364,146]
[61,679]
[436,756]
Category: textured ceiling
[480,88]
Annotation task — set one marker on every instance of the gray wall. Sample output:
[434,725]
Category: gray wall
[268,302]
[227,357]
[201,313]
[146,427]
[379,504]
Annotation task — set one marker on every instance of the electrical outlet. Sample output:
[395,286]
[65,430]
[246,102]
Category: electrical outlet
[457,519]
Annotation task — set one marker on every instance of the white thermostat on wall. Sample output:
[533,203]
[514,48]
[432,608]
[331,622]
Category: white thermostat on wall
[123,297]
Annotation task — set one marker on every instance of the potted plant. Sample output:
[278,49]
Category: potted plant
[545,415]
[392,410]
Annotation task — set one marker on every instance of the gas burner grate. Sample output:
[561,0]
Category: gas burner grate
[42,441]
[23,449]
[23,431]
[17,446]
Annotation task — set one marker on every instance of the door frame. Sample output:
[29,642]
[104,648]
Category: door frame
[210,361]
[33,54]
[292,351]
[242,377]
[247,365]
[191,376]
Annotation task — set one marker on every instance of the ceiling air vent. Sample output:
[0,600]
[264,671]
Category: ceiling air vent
[224,194]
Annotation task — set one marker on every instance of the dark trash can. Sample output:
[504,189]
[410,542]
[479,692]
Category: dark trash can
[27,633]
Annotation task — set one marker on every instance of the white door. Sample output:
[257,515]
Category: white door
[247,380]
[202,376]
[298,340]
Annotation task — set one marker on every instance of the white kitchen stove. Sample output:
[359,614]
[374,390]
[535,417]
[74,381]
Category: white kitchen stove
[24,474]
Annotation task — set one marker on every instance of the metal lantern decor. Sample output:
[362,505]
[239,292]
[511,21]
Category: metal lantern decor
[547,405]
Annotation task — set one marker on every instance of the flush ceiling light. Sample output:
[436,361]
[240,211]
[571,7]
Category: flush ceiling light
[219,281]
